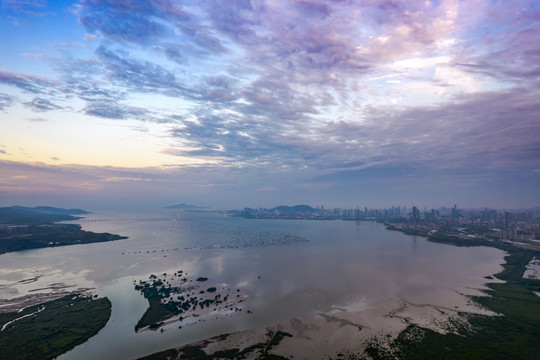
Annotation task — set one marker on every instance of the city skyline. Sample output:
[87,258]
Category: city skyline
[108,104]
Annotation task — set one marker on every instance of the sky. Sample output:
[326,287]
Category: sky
[257,103]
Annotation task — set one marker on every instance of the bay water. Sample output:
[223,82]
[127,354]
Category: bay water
[283,269]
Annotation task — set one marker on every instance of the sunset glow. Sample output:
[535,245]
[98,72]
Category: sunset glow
[287,101]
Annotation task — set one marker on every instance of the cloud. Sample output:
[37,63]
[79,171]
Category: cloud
[27,82]
[142,76]
[492,130]
[115,111]
[144,22]
[54,179]
[312,89]
[35,56]
[42,105]
[226,187]
[485,131]
[6,101]
[174,52]
[508,52]
[37,119]
[321,35]
[89,37]
[27,7]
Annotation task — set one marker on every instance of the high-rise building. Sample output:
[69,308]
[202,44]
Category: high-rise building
[415,214]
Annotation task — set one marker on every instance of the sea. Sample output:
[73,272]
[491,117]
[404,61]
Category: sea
[283,269]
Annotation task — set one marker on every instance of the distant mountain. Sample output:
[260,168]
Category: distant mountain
[53,210]
[185,206]
[295,209]
[19,215]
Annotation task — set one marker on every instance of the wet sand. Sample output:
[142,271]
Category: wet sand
[533,269]
[349,330]
[17,304]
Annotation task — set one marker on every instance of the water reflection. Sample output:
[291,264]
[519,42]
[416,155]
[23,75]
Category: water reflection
[352,266]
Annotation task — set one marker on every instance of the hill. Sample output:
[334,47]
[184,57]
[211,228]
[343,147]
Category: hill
[295,209]
[24,228]
[184,206]
[21,215]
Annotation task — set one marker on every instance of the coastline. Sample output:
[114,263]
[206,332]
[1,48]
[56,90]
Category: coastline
[514,300]
[27,237]
[342,323]
[388,331]
[24,228]
[516,330]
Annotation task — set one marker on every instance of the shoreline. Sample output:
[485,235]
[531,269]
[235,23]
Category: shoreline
[516,329]
[346,325]
[19,304]
[453,240]
[406,331]
[28,237]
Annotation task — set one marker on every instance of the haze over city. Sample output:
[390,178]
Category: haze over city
[260,103]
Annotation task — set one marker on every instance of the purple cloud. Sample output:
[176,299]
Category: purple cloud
[508,48]
[27,7]
[326,89]
[41,105]
[114,111]
[5,101]
[143,76]
[144,22]
[27,82]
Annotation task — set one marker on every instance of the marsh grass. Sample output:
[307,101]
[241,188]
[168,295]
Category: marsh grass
[63,324]
[513,335]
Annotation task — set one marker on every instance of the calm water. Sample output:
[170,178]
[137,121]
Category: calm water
[344,264]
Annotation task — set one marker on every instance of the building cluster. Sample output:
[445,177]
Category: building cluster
[483,223]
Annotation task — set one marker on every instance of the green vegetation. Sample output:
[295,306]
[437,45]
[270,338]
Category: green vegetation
[442,238]
[515,335]
[276,339]
[24,228]
[173,295]
[52,328]
[153,315]
[24,237]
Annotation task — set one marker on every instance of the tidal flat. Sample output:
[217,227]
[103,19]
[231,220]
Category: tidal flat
[511,315]
[338,288]
[512,334]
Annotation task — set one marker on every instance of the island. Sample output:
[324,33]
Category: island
[24,228]
[47,330]
[170,295]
